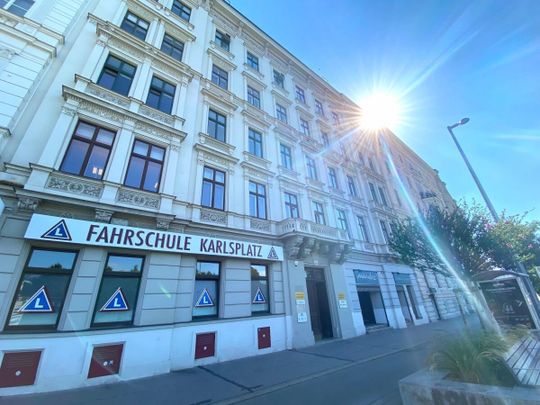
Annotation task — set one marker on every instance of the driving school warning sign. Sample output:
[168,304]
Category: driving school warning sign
[75,231]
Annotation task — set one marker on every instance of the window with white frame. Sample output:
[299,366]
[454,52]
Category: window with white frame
[17,7]
[223,40]
[252,61]
[335,118]
[318,213]
[373,192]
[325,139]
[220,77]
[281,113]
[300,95]
[342,220]
[364,236]
[332,178]
[279,79]
[291,205]
[257,200]
[304,126]
[255,145]
[311,168]
[384,229]
[383,197]
[286,156]
[135,25]
[254,97]
[319,108]
[181,10]
[352,186]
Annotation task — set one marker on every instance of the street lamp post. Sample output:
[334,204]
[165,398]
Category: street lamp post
[521,268]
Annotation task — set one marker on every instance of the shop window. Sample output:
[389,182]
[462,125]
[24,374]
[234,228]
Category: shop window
[161,95]
[117,75]
[88,151]
[145,166]
[117,296]
[42,289]
[213,189]
[259,289]
[172,47]
[257,200]
[135,25]
[206,293]
[181,10]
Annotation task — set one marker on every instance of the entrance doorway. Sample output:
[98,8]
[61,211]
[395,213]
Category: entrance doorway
[404,304]
[372,306]
[319,309]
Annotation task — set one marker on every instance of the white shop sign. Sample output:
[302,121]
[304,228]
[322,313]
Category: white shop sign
[67,230]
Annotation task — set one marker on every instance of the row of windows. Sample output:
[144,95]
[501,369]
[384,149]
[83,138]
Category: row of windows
[44,283]
[89,149]
[117,76]
[139,28]
[90,146]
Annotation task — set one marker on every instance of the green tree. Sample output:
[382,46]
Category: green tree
[513,239]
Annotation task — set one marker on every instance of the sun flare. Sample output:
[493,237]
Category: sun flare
[380,110]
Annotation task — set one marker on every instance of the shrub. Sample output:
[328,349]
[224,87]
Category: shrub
[474,357]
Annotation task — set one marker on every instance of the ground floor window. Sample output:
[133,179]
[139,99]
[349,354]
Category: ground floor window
[42,289]
[118,291]
[259,289]
[206,294]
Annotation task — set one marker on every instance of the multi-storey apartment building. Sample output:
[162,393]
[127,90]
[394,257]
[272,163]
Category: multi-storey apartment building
[174,180]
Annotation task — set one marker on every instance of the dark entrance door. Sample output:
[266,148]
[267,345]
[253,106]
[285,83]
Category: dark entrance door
[367,307]
[321,322]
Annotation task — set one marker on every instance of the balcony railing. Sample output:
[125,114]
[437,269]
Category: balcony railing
[297,225]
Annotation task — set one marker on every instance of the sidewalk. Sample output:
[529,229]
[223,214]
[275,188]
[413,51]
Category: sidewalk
[243,379]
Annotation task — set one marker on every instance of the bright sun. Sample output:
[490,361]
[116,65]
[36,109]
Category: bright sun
[380,110]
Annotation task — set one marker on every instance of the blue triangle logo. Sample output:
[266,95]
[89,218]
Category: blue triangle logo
[259,297]
[117,302]
[58,232]
[205,300]
[39,302]
[272,255]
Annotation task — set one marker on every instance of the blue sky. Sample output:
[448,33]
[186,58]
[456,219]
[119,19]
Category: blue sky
[445,60]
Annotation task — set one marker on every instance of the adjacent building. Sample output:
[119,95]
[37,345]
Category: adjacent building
[173,179]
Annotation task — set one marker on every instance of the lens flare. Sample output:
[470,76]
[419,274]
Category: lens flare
[380,110]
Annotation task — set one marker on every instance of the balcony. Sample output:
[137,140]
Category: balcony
[293,226]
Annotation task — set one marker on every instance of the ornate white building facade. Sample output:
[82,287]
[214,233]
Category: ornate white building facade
[174,179]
